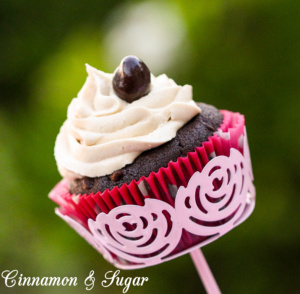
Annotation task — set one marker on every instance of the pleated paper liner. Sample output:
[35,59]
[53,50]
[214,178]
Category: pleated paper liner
[162,185]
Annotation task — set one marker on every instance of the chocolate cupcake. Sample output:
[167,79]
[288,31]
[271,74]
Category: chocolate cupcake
[136,148]
[125,125]
[130,136]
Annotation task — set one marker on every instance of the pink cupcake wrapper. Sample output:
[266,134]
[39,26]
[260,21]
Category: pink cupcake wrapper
[86,210]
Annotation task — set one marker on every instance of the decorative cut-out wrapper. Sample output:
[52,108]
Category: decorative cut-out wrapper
[182,207]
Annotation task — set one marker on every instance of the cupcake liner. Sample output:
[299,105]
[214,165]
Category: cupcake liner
[189,218]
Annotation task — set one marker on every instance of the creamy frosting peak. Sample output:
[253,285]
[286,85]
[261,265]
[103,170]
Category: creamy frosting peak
[103,133]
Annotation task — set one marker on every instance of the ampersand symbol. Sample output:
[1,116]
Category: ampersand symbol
[90,281]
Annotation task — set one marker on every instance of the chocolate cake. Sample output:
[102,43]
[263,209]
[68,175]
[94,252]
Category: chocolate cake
[191,135]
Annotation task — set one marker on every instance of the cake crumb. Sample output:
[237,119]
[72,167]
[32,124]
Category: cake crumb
[116,176]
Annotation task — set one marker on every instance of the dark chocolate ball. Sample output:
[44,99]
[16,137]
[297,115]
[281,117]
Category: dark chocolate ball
[132,79]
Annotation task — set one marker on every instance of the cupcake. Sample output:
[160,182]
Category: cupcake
[135,141]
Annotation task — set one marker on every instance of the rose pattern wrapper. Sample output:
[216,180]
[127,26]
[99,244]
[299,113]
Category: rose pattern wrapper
[189,204]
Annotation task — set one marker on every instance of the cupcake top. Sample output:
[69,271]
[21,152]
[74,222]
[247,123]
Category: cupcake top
[116,117]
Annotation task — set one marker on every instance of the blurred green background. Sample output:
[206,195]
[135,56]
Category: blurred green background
[238,55]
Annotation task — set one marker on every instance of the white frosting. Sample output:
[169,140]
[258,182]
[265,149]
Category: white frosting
[103,133]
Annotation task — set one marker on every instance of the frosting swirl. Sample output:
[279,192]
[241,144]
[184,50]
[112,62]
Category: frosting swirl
[103,133]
